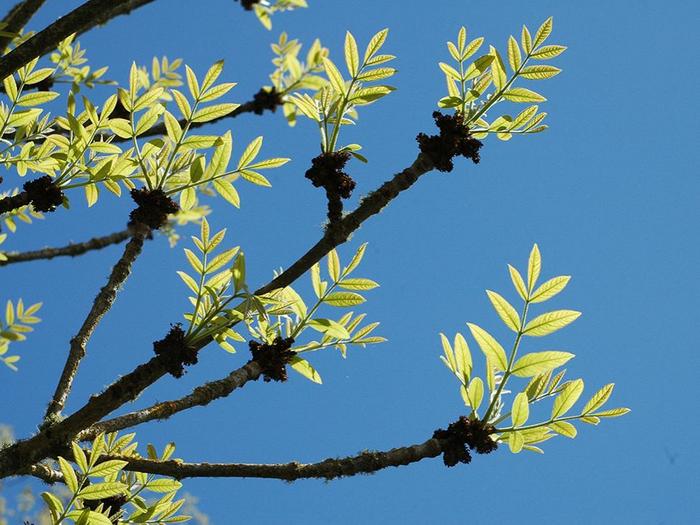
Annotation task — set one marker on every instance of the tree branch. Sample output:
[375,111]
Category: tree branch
[200,396]
[103,302]
[71,250]
[129,386]
[17,18]
[331,468]
[79,20]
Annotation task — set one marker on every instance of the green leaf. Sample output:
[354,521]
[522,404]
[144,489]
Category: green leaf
[450,71]
[163,485]
[344,299]
[540,362]
[539,72]
[491,348]
[564,428]
[518,282]
[599,398]
[498,70]
[504,310]
[546,52]
[103,490]
[303,367]
[192,83]
[514,57]
[255,178]
[53,503]
[521,410]
[516,441]
[212,74]
[333,265]
[567,398]
[329,327]
[356,259]
[534,266]
[35,99]
[188,198]
[550,322]
[216,111]
[520,94]
[251,151]
[336,79]
[352,57]
[526,40]
[189,281]
[543,32]
[463,355]
[375,44]
[107,468]
[68,474]
[358,284]
[120,127]
[613,412]
[221,156]
[227,191]
[550,288]
[476,393]
[79,457]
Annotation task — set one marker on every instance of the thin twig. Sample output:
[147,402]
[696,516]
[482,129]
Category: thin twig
[331,468]
[71,250]
[46,473]
[200,396]
[103,302]
[17,18]
[80,20]
[129,386]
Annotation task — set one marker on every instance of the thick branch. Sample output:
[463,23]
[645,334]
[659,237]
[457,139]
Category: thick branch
[45,473]
[200,396]
[71,250]
[103,302]
[80,20]
[362,463]
[17,18]
[128,387]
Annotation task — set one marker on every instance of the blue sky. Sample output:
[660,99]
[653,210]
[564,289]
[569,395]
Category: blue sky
[608,192]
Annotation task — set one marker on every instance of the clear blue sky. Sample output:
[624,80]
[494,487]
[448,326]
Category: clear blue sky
[610,193]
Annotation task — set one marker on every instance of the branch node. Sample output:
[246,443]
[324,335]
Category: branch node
[327,172]
[43,194]
[266,99]
[174,351]
[248,4]
[454,139]
[462,435]
[273,358]
[153,208]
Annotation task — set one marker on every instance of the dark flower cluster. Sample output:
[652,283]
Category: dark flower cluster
[265,99]
[248,4]
[174,351]
[462,435]
[326,171]
[44,195]
[454,139]
[273,358]
[153,208]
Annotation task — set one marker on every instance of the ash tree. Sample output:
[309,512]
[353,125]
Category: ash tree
[148,142]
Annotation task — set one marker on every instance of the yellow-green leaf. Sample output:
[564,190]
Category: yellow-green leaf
[550,288]
[520,411]
[599,398]
[344,299]
[334,76]
[520,94]
[564,428]
[491,348]
[518,282]
[550,322]
[534,266]
[214,112]
[567,398]
[303,367]
[540,362]
[352,57]
[103,490]
[504,310]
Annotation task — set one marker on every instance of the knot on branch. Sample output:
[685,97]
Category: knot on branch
[273,358]
[327,172]
[248,4]
[111,505]
[454,139]
[265,99]
[462,435]
[174,351]
[153,209]
[43,194]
